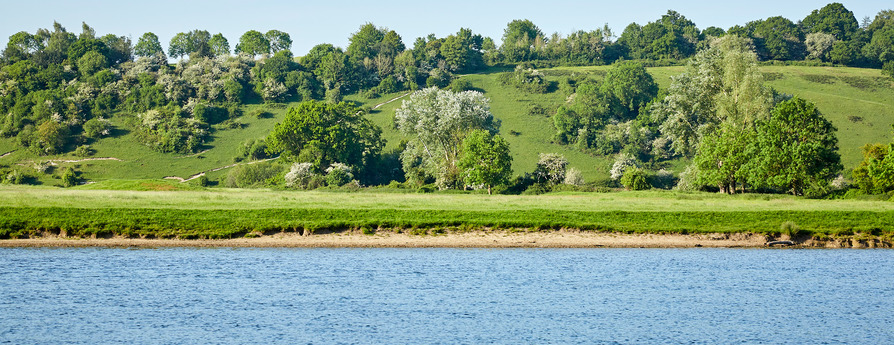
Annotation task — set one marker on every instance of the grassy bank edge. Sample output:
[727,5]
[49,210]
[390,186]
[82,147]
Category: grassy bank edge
[186,224]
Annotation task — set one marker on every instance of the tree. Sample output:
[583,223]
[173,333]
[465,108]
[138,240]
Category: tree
[795,148]
[179,45]
[719,84]
[635,179]
[833,19]
[148,45]
[518,40]
[364,42]
[219,45]
[630,87]
[324,133]
[819,46]
[120,49]
[278,41]
[777,38]
[253,43]
[485,160]
[551,168]
[91,63]
[876,172]
[438,121]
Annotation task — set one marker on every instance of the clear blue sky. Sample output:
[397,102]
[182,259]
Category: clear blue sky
[313,22]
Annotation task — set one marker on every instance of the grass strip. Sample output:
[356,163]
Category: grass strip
[22,222]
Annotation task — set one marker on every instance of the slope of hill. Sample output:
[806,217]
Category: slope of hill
[859,102]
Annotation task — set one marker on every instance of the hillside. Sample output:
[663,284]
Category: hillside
[859,102]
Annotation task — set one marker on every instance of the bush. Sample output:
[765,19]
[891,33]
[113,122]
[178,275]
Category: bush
[574,177]
[16,177]
[69,177]
[84,151]
[299,175]
[338,175]
[202,181]
[252,175]
[372,93]
[96,128]
[635,179]
[889,69]
[460,85]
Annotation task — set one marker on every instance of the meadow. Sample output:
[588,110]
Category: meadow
[229,213]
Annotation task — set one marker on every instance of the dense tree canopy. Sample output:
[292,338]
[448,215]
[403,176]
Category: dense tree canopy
[324,133]
[485,160]
[148,45]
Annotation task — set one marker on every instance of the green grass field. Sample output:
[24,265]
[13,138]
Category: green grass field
[227,213]
[859,102]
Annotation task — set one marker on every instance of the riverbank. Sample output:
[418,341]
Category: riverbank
[472,239]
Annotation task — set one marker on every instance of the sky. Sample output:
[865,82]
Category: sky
[313,22]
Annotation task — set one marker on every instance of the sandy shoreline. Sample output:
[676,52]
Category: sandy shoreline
[553,239]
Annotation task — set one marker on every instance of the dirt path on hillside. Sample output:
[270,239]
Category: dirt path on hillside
[392,100]
[7,154]
[197,175]
[56,161]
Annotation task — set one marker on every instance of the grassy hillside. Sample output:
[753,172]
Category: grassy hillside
[859,102]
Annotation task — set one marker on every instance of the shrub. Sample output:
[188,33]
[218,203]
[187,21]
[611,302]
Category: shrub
[16,177]
[460,85]
[69,177]
[635,179]
[550,168]
[299,175]
[84,151]
[574,177]
[252,175]
[96,128]
[202,181]
[388,85]
[338,174]
[623,162]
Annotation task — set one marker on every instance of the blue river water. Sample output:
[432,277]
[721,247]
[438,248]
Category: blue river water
[446,296]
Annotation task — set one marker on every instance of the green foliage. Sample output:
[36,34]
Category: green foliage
[519,39]
[795,148]
[833,19]
[148,45]
[635,179]
[338,175]
[528,80]
[629,88]
[485,160]
[438,121]
[253,43]
[69,177]
[91,63]
[889,69]
[84,151]
[252,150]
[279,41]
[875,174]
[672,36]
[169,129]
[325,133]
[253,175]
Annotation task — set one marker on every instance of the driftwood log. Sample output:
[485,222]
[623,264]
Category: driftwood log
[780,243]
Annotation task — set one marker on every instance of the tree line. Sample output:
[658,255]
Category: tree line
[58,91]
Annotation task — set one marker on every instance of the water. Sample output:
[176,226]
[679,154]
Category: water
[469,296]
